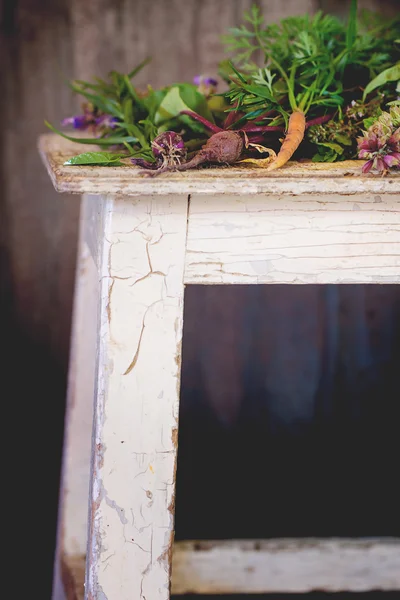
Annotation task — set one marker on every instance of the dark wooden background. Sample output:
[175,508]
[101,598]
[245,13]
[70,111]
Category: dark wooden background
[41,43]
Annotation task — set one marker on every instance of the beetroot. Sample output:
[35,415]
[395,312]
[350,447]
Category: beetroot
[224,147]
[169,151]
[169,146]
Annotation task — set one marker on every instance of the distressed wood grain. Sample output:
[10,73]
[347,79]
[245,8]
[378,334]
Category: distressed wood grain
[283,239]
[279,566]
[140,255]
[294,566]
[40,230]
[341,7]
[84,39]
[73,510]
[136,411]
[295,179]
[182,43]
[274,11]
[38,253]
[41,40]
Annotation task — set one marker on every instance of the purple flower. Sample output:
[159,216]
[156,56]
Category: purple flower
[381,146]
[77,121]
[206,85]
[90,119]
[367,166]
[392,160]
[371,143]
[106,121]
[382,164]
[394,140]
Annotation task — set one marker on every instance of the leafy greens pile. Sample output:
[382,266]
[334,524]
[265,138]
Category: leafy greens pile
[323,81]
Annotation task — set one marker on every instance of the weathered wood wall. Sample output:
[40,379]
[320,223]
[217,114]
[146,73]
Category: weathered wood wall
[42,41]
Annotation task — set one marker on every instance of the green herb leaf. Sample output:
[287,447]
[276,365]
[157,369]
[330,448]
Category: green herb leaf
[260,91]
[237,72]
[391,74]
[195,100]
[183,97]
[104,159]
[325,155]
[107,141]
[351,33]
[107,105]
[135,132]
[132,91]
[136,70]
[328,157]
[369,122]
[335,147]
[152,101]
[343,139]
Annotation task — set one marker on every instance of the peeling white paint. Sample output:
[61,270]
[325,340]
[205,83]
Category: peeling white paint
[286,566]
[276,239]
[136,413]
[293,179]
[306,224]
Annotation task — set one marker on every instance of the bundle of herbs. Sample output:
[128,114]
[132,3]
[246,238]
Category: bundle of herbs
[310,86]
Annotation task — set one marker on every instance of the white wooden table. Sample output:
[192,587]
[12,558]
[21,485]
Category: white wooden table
[141,241]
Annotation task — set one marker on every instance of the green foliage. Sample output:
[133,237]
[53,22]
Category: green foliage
[108,141]
[317,64]
[132,119]
[333,141]
[328,152]
[388,120]
[348,71]
[104,159]
[310,57]
[336,140]
[384,77]
[182,97]
[351,33]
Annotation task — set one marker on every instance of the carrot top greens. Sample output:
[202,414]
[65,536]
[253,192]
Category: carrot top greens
[318,65]
[335,78]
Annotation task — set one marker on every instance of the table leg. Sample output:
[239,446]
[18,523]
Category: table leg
[131,513]
[73,512]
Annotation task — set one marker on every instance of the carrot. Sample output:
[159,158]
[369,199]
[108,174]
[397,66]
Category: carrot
[294,136]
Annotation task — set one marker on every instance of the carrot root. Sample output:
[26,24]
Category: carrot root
[293,139]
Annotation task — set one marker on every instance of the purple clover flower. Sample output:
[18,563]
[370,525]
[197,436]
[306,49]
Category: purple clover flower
[206,85]
[381,147]
[77,122]
[199,79]
[88,119]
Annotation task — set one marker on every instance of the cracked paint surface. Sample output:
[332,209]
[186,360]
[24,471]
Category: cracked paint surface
[140,332]
[295,178]
[293,240]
